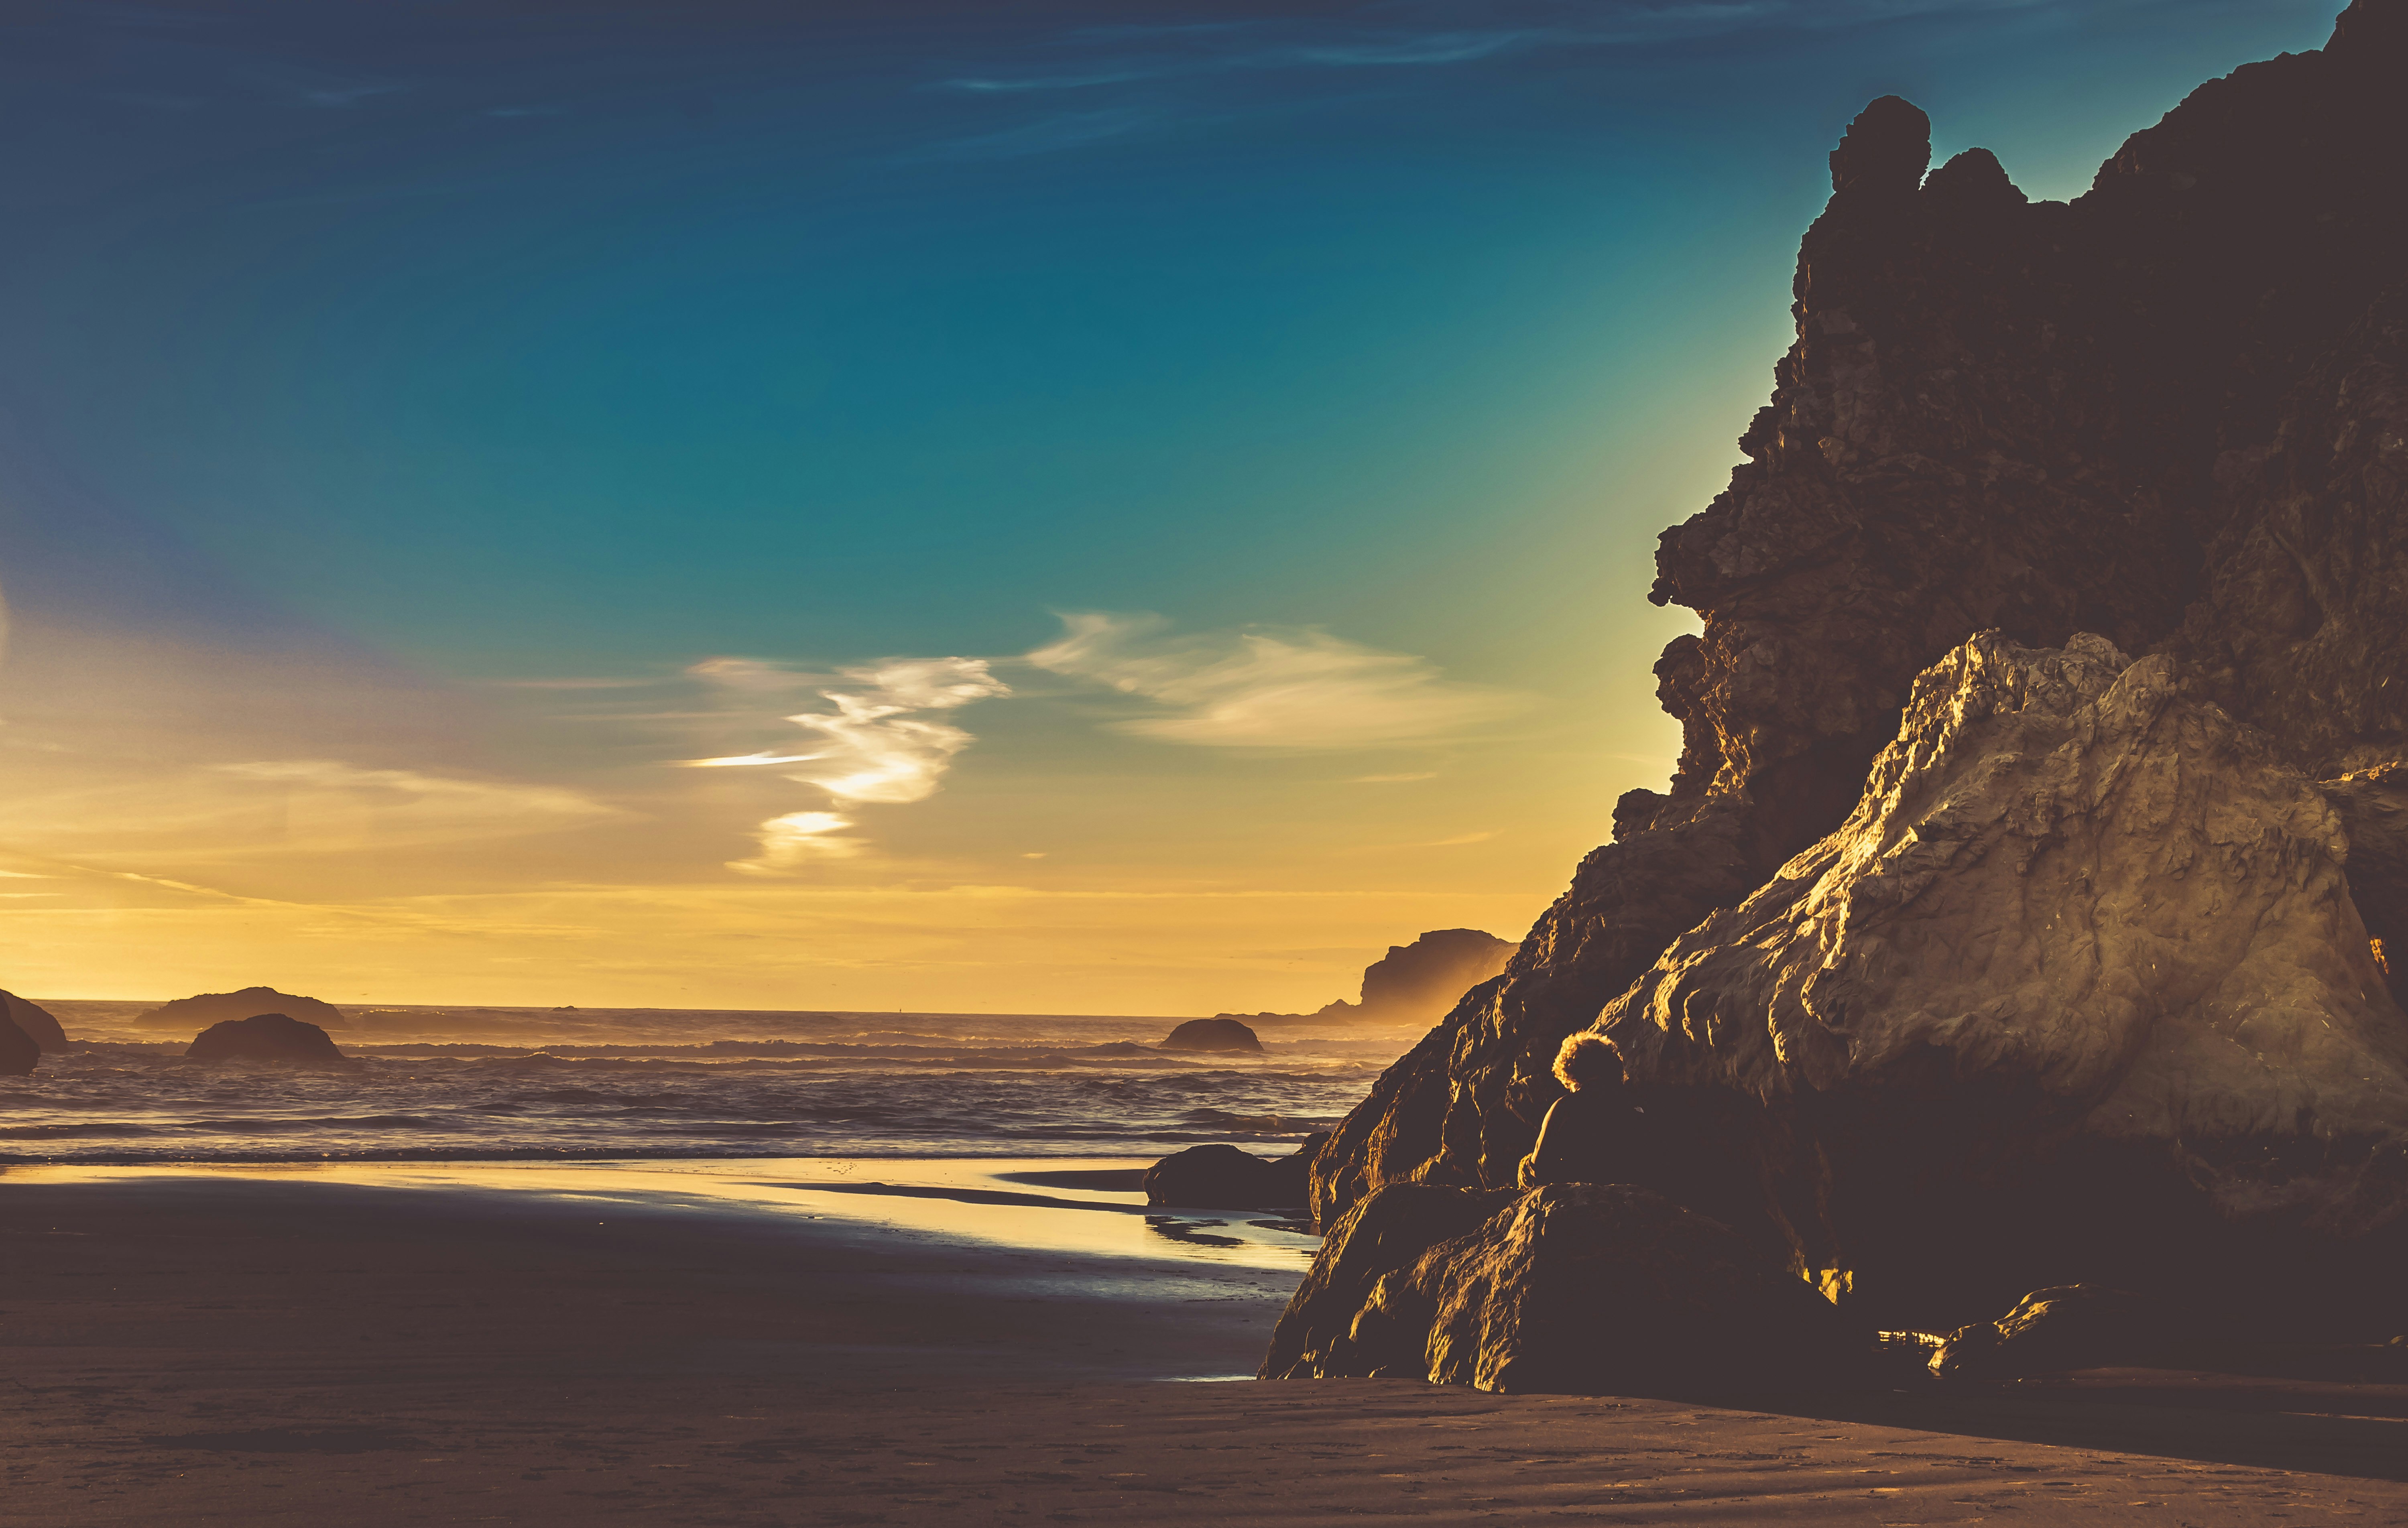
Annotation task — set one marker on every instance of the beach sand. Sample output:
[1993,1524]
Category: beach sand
[270,1349]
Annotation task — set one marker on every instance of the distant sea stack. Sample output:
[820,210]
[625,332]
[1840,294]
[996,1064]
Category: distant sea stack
[2107,500]
[1416,984]
[1212,1035]
[207,1008]
[265,1036]
[38,1025]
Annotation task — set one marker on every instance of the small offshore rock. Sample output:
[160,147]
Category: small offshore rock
[1212,1035]
[203,1009]
[37,1024]
[265,1036]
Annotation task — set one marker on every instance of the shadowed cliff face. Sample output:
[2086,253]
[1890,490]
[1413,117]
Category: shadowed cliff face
[2170,413]
[2077,990]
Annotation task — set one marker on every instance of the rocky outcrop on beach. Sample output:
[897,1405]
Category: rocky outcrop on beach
[268,1037]
[1570,1287]
[2077,986]
[1221,1034]
[2169,420]
[37,1022]
[19,1054]
[1223,1176]
[207,1008]
[2052,1331]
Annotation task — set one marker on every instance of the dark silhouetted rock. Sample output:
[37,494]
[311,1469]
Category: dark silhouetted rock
[1226,1178]
[19,1054]
[207,1009]
[39,1027]
[1212,1035]
[1587,1288]
[2073,1327]
[265,1036]
[1293,1173]
[2158,414]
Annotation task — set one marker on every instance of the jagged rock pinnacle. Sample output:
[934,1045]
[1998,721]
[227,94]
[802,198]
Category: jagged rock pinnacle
[1885,150]
[1972,182]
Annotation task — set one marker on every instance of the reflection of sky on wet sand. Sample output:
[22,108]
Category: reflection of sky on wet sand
[1082,1222]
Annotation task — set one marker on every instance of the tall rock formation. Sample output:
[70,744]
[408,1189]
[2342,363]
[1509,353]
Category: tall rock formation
[1415,983]
[2169,413]
[1422,979]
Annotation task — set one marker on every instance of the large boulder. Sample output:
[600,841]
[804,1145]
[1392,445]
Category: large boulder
[1222,1177]
[2155,413]
[19,1054]
[39,1027]
[1222,1034]
[265,1036]
[207,1008]
[2077,991]
[1597,1288]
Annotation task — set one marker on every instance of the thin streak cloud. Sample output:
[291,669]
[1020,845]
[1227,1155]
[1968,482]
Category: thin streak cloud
[1131,54]
[1271,687]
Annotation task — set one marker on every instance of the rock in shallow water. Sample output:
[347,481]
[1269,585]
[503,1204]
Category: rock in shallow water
[1593,1289]
[205,1009]
[1222,1177]
[19,1054]
[37,1022]
[265,1036]
[1212,1035]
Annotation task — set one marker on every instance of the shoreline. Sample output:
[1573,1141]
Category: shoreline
[272,1348]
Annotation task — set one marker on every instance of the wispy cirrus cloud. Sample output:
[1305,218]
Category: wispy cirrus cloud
[877,745]
[1271,687]
[1131,78]
[1436,34]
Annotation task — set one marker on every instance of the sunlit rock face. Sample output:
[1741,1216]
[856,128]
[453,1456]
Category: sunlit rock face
[2168,414]
[1596,1289]
[2078,987]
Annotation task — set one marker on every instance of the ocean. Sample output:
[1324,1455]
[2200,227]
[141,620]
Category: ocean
[499,1084]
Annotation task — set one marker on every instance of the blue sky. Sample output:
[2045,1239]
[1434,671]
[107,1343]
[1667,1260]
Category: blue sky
[473,352]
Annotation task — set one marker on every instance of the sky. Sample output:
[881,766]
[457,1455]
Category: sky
[1034,508]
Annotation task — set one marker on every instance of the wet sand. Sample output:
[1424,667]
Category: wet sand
[267,1350]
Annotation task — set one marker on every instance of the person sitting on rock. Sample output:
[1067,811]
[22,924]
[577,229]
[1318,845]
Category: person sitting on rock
[1592,1133]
